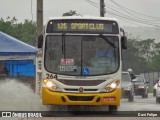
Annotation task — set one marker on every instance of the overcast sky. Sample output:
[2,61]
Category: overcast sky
[23,9]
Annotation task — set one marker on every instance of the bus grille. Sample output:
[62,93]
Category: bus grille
[80,98]
[81,82]
[77,90]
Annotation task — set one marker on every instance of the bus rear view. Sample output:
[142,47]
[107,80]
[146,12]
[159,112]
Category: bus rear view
[80,62]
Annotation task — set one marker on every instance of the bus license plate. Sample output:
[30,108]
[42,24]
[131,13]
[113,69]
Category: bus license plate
[109,99]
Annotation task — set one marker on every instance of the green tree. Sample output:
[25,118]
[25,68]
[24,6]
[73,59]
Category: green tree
[154,64]
[28,32]
[142,56]
[146,48]
[131,58]
[25,32]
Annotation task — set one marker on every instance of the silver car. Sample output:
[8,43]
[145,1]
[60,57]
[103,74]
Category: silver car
[158,92]
[155,87]
[127,87]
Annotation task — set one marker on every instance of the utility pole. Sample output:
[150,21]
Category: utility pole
[38,60]
[39,17]
[102,10]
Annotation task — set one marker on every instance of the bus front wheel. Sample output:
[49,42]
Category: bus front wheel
[113,108]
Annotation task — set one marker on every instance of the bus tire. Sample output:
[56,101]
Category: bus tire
[154,92]
[143,95]
[130,98]
[157,100]
[147,95]
[113,108]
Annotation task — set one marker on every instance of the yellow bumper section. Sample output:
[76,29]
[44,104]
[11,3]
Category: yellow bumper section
[61,98]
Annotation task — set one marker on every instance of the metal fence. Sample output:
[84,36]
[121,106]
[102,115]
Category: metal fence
[151,77]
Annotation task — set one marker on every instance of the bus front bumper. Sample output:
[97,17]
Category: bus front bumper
[61,98]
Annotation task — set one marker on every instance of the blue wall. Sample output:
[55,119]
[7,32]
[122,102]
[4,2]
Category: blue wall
[20,67]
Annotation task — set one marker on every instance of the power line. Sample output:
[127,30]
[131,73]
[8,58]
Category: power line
[132,19]
[92,3]
[132,11]
[137,18]
[97,6]
[123,8]
[124,16]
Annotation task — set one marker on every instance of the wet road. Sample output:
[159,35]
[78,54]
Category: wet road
[139,104]
[15,96]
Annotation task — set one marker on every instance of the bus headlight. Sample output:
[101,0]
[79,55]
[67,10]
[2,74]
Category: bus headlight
[51,86]
[111,87]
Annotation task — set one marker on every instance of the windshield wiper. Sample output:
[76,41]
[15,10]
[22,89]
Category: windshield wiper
[63,45]
[108,41]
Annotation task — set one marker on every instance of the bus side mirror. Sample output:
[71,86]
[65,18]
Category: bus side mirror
[40,41]
[124,42]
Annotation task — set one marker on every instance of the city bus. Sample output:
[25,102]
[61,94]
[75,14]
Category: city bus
[79,62]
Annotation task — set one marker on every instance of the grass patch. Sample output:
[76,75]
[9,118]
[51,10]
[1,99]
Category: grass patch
[150,90]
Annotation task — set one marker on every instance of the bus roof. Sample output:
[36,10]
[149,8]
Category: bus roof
[82,17]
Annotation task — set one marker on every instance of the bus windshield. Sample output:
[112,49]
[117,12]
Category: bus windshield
[81,55]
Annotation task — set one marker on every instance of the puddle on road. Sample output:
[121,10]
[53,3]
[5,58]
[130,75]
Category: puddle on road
[16,96]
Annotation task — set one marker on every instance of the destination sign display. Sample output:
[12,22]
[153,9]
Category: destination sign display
[82,26]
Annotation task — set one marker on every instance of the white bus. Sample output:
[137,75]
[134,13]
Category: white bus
[79,62]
